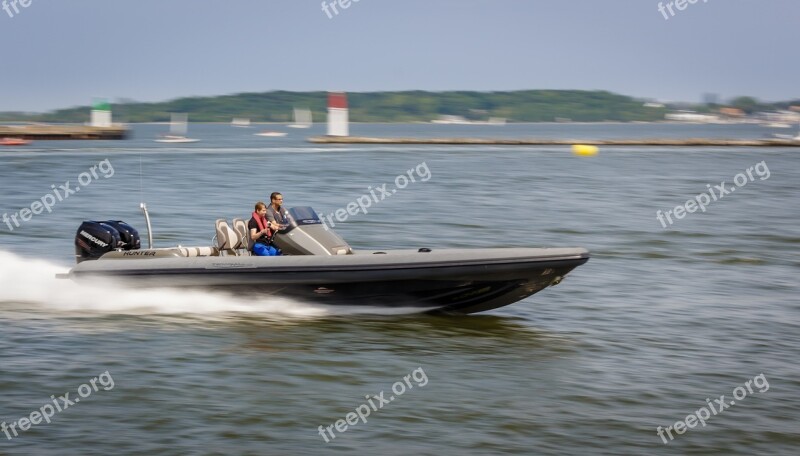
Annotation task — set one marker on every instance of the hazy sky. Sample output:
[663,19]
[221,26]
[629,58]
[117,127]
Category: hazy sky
[60,53]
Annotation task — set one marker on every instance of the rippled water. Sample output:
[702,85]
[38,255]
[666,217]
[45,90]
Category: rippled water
[655,323]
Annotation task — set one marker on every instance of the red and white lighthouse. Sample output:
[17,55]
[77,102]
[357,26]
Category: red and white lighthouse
[338,114]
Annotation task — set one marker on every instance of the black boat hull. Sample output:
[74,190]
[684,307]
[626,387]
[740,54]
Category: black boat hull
[458,281]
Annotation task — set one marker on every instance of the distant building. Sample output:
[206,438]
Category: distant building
[732,112]
[780,118]
[451,120]
[691,117]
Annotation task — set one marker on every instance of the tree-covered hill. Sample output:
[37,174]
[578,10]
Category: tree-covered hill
[408,106]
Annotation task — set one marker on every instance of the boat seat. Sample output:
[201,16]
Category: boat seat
[198,251]
[245,243]
[226,238]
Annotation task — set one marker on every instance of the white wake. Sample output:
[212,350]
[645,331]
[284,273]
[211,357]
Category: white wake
[31,284]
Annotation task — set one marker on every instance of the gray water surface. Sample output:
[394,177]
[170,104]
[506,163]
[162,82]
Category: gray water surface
[658,321]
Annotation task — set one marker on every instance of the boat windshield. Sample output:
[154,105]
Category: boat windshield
[303,215]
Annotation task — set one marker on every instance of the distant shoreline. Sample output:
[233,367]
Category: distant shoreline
[448,108]
[664,142]
[600,122]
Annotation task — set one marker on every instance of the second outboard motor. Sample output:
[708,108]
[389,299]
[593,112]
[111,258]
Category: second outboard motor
[94,239]
[127,234]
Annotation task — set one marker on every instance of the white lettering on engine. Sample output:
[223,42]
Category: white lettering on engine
[93,239]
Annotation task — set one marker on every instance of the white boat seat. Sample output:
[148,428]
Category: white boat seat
[245,243]
[198,251]
[226,238]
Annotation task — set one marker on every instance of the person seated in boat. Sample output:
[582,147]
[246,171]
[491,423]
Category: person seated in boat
[261,231]
[275,210]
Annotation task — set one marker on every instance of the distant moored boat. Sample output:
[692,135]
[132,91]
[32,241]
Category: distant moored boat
[178,127]
[789,137]
[302,118]
[271,134]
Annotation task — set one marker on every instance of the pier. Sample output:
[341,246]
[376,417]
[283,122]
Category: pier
[668,142]
[62,132]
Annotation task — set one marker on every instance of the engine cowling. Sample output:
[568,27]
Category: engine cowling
[93,239]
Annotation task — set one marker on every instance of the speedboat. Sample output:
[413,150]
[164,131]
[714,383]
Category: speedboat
[318,266]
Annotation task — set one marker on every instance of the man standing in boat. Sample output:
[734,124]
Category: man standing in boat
[275,209]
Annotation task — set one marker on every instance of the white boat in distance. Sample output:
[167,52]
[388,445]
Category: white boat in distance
[178,126]
[789,137]
[240,122]
[271,134]
[461,120]
[302,118]
[776,125]
[176,139]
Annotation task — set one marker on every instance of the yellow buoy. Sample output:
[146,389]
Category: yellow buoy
[584,150]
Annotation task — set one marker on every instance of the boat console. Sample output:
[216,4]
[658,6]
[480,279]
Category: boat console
[305,234]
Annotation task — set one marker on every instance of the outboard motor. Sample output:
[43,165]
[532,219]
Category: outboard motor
[305,234]
[94,239]
[127,234]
